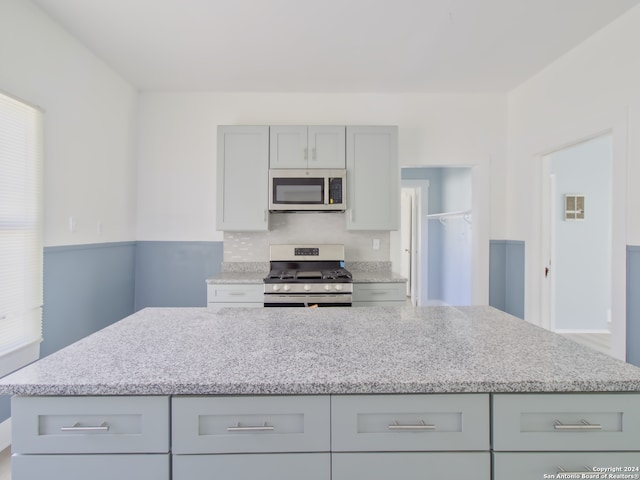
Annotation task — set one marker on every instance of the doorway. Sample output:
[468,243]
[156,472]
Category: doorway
[577,228]
[438,201]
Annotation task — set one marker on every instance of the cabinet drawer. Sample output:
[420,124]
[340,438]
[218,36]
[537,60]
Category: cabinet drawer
[90,424]
[250,424]
[411,466]
[281,466]
[410,422]
[566,422]
[94,467]
[536,466]
[379,292]
[245,293]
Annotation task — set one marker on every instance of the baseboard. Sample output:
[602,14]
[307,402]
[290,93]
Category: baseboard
[5,434]
[581,332]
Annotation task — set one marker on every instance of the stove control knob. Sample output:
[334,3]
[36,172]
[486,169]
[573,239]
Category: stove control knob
[286,288]
[307,288]
[338,287]
[327,287]
[276,288]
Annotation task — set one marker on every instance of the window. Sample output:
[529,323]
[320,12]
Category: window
[20,233]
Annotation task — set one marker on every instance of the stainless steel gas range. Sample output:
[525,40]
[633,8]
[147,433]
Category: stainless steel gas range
[307,276]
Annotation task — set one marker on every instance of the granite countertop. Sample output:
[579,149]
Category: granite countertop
[186,351]
[254,272]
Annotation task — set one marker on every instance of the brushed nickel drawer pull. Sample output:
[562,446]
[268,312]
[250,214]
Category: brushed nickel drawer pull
[583,425]
[257,428]
[77,428]
[420,426]
[567,472]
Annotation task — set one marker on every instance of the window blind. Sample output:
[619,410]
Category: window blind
[20,225]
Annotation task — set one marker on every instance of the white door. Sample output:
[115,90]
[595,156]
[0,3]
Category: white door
[410,241]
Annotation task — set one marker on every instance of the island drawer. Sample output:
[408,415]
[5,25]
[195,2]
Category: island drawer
[90,424]
[536,466]
[251,424]
[410,422]
[93,467]
[235,293]
[412,466]
[281,466]
[572,422]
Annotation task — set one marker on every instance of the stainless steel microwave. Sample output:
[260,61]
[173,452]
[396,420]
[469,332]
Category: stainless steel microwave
[318,189]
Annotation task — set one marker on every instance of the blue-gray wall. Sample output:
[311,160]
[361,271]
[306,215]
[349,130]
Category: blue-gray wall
[506,276]
[172,274]
[633,304]
[88,287]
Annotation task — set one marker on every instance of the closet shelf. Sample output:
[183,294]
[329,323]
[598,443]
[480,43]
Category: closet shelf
[463,214]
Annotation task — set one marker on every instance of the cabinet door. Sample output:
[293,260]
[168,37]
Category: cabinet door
[379,294]
[385,423]
[575,421]
[373,178]
[288,147]
[411,466]
[243,178]
[250,424]
[326,147]
[94,467]
[536,466]
[90,424]
[282,466]
[235,293]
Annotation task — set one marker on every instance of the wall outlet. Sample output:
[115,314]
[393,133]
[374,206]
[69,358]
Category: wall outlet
[73,224]
[376,244]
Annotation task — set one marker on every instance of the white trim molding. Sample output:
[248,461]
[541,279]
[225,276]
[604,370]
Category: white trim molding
[5,434]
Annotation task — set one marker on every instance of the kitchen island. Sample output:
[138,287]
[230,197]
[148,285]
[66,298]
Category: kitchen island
[323,393]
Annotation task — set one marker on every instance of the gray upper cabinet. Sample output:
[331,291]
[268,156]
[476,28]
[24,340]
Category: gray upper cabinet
[373,178]
[243,178]
[307,147]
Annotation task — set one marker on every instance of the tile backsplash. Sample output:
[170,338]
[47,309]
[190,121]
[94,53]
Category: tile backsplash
[305,228]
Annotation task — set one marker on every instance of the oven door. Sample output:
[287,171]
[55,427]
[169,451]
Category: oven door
[307,300]
[311,190]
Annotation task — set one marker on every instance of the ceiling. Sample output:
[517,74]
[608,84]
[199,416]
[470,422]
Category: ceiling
[331,45]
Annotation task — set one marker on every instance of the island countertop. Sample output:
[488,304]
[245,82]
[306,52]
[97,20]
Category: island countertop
[377,350]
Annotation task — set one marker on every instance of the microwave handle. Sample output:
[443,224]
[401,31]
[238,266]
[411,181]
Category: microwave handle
[326,190]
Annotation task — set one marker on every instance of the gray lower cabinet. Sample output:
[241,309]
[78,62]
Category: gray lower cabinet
[73,438]
[276,466]
[238,438]
[235,295]
[566,422]
[250,424]
[544,435]
[540,465]
[93,467]
[324,437]
[379,294]
[408,437]
[412,466]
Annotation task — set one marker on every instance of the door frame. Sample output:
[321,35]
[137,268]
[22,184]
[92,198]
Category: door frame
[619,167]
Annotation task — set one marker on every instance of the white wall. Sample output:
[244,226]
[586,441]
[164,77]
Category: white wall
[89,121]
[177,132]
[592,89]
[177,145]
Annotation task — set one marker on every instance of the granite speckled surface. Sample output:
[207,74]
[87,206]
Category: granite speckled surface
[321,351]
[254,272]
